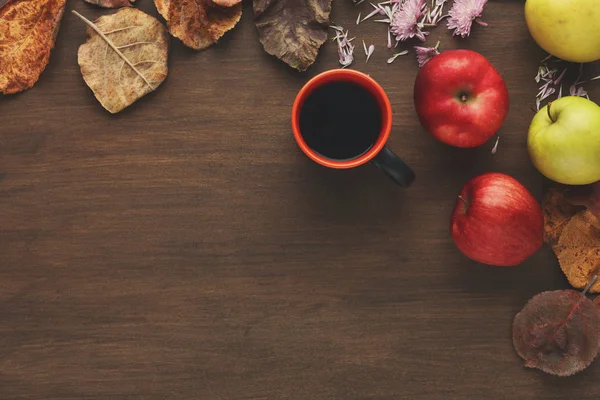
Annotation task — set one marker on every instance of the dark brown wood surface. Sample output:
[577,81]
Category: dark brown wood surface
[186,249]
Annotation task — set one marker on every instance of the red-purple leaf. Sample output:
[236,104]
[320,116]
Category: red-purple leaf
[558,332]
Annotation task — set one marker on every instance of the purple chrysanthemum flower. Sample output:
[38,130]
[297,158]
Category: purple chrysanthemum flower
[424,54]
[405,20]
[462,14]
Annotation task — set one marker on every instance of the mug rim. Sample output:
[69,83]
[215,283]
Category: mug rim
[366,82]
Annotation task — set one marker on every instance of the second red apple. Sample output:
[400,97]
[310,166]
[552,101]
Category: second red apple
[497,221]
[460,98]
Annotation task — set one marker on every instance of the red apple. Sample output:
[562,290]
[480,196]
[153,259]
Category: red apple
[497,221]
[460,98]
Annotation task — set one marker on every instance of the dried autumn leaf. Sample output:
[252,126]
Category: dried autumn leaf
[558,332]
[293,30]
[227,3]
[28,30]
[111,3]
[124,58]
[557,213]
[198,23]
[578,250]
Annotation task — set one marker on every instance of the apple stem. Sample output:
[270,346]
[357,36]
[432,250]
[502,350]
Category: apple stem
[550,115]
[463,200]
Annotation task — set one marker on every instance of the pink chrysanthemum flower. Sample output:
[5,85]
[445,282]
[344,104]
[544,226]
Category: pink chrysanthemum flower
[405,20]
[462,14]
[424,54]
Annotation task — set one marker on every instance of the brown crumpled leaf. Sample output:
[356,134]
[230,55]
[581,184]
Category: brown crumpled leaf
[198,23]
[573,232]
[126,60]
[558,332]
[111,3]
[28,30]
[293,30]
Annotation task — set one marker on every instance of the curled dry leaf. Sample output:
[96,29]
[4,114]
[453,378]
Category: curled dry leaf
[578,250]
[293,30]
[28,30]
[198,23]
[111,3]
[573,233]
[124,58]
[558,332]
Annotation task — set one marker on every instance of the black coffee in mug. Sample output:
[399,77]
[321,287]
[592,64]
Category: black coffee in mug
[340,120]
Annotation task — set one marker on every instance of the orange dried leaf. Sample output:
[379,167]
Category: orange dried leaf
[124,58]
[28,30]
[198,23]
[111,3]
[557,213]
[578,250]
[227,3]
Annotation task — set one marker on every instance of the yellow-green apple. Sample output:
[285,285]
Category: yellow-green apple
[497,221]
[567,29]
[460,98]
[564,141]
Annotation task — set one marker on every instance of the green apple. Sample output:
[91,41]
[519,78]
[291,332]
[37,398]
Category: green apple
[564,141]
[567,29]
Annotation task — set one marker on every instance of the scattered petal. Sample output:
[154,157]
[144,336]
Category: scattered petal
[358,19]
[562,74]
[391,59]
[495,148]
[370,52]
[372,13]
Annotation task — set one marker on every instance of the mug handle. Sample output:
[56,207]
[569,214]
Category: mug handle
[394,167]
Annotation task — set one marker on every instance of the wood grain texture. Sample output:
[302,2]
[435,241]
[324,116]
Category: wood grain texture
[186,249]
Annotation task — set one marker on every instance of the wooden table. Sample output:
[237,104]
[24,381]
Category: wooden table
[186,249]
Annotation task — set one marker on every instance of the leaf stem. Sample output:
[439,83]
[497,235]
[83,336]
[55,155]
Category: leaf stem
[463,200]
[111,44]
[589,285]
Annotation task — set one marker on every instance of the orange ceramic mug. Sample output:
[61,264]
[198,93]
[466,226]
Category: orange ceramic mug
[342,119]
